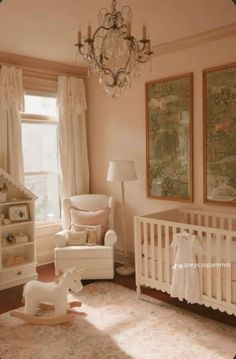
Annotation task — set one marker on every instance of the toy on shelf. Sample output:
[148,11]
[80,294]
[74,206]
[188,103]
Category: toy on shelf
[21,238]
[51,296]
[4,220]
[11,260]
[10,238]
[19,260]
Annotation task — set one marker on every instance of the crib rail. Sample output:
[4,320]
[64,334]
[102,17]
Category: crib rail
[209,219]
[154,256]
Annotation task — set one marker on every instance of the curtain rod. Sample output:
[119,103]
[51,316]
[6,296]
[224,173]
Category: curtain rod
[44,71]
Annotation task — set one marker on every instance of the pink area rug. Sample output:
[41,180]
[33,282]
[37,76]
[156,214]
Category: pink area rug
[119,326]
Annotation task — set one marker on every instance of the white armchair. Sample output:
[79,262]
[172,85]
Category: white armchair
[97,260]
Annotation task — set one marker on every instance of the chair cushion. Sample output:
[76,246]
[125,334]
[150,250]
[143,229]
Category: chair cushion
[77,252]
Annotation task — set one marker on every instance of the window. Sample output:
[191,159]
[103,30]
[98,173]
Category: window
[40,105]
[40,152]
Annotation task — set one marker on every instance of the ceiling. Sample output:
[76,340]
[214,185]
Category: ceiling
[47,29]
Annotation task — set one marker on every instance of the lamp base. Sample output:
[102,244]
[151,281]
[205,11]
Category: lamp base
[125,270]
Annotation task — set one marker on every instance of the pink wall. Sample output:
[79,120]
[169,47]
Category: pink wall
[116,130]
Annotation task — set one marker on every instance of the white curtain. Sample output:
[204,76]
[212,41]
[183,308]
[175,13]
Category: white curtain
[72,136]
[11,103]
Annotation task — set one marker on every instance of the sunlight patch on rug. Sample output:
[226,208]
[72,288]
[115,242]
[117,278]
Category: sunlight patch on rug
[119,326]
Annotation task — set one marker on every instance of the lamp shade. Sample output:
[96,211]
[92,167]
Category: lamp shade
[121,171]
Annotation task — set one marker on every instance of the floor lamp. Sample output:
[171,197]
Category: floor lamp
[122,171]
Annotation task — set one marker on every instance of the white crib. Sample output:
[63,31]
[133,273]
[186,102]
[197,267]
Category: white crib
[154,256]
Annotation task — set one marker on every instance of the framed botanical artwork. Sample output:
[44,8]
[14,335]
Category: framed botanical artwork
[18,213]
[219,101]
[169,138]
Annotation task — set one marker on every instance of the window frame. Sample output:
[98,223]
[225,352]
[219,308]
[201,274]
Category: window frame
[38,118]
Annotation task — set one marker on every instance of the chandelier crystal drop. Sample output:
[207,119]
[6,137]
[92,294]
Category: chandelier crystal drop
[112,53]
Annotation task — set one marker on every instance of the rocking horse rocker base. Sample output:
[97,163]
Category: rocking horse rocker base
[54,320]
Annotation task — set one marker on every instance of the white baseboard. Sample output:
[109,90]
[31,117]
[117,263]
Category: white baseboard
[45,257]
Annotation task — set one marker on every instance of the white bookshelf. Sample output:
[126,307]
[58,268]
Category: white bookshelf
[17,260]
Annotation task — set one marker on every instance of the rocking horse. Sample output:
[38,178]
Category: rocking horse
[51,296]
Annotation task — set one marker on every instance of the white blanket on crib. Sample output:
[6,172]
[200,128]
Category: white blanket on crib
[185,281]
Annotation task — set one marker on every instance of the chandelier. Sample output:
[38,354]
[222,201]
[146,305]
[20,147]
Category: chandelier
[112,53]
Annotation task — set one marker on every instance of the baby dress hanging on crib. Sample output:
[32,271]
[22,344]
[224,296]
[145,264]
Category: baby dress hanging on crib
[185,279]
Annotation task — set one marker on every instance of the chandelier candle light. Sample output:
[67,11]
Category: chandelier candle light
[113,54]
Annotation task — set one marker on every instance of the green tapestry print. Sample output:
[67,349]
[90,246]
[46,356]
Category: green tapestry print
[221,135]
[168,130]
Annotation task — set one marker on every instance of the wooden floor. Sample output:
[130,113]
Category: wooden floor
[11,298]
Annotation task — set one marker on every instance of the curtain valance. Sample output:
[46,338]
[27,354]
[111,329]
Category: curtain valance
[11,88]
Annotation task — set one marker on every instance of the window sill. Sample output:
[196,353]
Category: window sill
[48,224]
[48,229]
